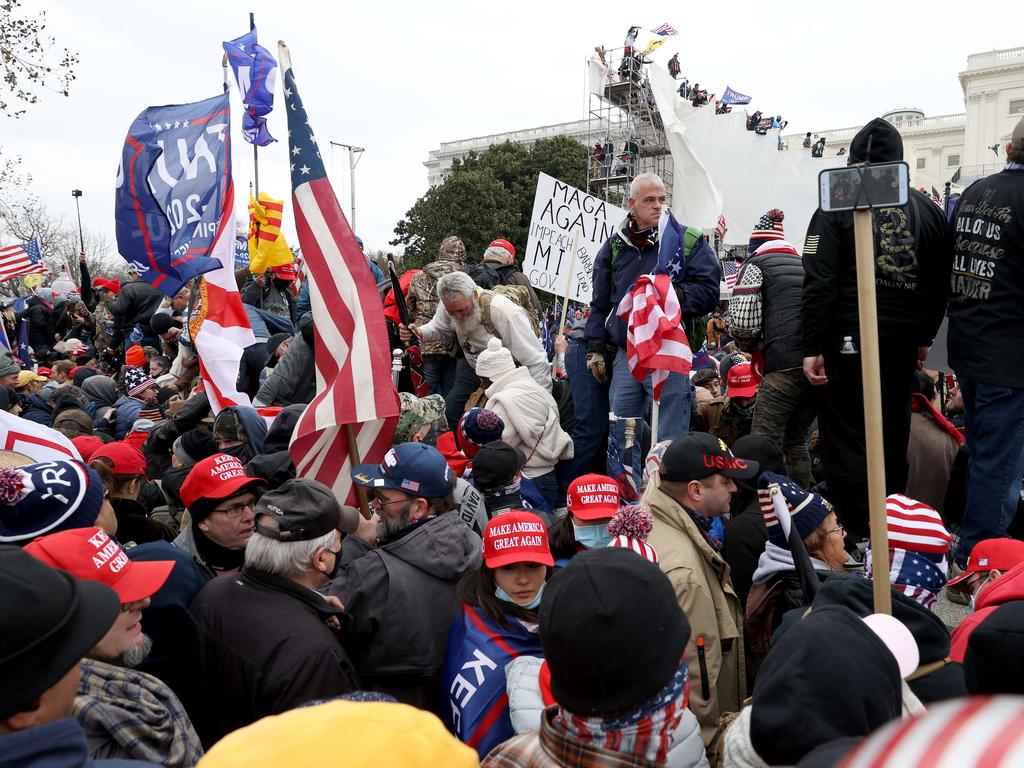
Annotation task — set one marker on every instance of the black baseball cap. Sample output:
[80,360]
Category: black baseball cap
[496,464]
[700,455]
[48,621]
[304,510]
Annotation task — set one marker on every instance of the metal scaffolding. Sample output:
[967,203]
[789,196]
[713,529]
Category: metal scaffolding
[623,113]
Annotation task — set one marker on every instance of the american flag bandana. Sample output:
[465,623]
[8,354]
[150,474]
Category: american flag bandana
[916,575]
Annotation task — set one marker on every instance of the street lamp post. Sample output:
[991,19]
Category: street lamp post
[354,155]
[77,193]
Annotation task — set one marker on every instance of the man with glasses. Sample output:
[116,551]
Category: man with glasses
[398,583]
[220,498]
[267,637]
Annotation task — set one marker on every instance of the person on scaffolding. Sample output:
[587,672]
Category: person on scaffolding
[673,66]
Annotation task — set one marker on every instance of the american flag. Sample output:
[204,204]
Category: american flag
[656,343]
[23,259]
[352,352]
[729,273]
[721,227]
[665,30]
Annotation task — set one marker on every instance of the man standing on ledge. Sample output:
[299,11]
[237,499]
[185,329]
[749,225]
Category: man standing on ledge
[629,253]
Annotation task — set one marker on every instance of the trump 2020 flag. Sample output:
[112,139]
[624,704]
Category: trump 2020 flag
[255,75]
[355,397]
[172,199]
[734,97]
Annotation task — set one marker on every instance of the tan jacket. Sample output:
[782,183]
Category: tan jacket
[701,580]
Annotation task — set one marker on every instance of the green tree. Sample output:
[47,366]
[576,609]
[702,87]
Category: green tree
[510,171]
[470,203]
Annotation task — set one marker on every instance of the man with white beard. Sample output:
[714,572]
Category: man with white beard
[460,314]
[126,714]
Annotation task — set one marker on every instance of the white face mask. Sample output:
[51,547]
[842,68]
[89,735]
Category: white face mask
[976,593]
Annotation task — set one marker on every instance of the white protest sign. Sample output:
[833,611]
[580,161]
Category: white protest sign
[561,212]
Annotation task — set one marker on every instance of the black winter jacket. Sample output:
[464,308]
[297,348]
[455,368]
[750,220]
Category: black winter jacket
[264,648]
[912,266]
[135,305]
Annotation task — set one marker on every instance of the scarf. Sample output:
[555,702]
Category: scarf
[920,404]
[136,712]
[705,523]
[646,732]
[216,557]
[640,237]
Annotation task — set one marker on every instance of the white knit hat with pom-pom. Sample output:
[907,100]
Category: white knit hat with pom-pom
[494,361]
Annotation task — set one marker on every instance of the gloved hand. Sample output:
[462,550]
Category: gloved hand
[597,366]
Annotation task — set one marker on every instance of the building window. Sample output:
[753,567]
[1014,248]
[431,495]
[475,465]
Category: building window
[952,161]
[922,163]
[1016,106]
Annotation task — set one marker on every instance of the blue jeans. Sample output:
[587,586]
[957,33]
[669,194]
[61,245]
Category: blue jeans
[632,398]
[590,406]
[995,443]
[547,484]
[439,371]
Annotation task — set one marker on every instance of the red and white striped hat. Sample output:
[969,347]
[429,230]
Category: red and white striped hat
[915,526]
[642,548]
[975,732]
[777,246]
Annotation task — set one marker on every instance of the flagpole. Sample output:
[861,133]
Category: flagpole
[255,156]
[565,299]
[353,455]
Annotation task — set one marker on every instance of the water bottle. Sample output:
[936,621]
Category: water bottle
[848,347]
[136,334]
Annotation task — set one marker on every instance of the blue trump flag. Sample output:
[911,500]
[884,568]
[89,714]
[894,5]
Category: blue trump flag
[174,193]
[255,74]
[23,353]
[474,677]
[734,97]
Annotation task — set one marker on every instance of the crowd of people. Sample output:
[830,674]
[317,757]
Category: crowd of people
[543,574]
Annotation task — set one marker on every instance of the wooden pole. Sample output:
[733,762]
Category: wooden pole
[353,455]
[872,395]
[565,299]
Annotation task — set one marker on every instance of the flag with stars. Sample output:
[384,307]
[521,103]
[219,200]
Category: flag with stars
[256,76]
[671,256]
[355,395]
[23,354]
[174,198]
[729,273]
[22,259]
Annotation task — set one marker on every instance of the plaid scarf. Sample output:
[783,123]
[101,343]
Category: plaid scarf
[647,732]
[705,524]
[137,713]
[918,575]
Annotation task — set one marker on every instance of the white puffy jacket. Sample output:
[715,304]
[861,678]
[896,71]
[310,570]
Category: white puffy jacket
[531,421]
[525,704]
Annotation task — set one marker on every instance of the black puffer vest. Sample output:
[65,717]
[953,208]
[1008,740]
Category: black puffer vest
[782,276]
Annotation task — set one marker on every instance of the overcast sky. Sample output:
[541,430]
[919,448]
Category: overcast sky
[398,78]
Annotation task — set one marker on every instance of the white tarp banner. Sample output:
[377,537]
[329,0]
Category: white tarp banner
[722,168]
[560,214]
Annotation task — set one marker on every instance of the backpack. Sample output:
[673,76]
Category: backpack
[484,275]
[518,295]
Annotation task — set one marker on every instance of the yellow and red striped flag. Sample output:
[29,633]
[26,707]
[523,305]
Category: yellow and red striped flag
[267,247]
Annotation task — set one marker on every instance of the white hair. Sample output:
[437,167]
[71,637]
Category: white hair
[287,559]
[455,284]
[652,179]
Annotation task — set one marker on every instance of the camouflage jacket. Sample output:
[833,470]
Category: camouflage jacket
[422,302]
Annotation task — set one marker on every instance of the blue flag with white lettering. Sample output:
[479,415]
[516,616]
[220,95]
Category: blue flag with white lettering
[174,193]
[478,651]
[734,97]
[255,71]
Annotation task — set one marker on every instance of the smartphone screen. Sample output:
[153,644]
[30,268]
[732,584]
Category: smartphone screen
[846,189]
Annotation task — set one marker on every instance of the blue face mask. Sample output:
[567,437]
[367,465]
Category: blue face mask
[592,536]
[501,594]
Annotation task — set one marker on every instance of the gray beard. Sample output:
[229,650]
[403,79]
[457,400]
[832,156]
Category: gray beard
[388,528]
[464,328]
[134,655]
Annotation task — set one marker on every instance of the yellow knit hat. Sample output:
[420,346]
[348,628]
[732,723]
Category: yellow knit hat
[364,733]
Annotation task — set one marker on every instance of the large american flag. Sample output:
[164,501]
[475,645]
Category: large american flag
[655,340]
[23,259]
[665,29]
[353,355]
